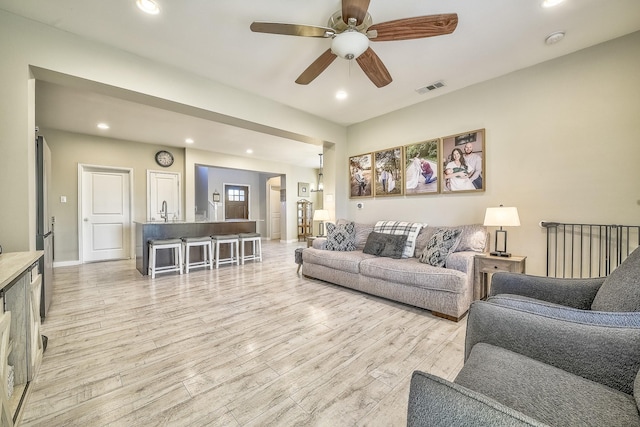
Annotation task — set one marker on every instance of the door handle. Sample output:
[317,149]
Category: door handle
[86,220]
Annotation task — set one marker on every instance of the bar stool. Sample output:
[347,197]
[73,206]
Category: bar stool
[204,243]
[253,238]
[232,240]
[155,245]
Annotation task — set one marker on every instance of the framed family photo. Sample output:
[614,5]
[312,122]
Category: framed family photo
[388,173]
[422,169]
[463,160]
[303,189]
[360,176]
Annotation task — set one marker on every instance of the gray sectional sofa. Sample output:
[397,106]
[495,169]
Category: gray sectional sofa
[445,291]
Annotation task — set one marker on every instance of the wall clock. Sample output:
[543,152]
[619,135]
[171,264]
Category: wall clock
[164,158]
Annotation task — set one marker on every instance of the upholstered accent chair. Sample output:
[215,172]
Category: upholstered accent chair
[544,352]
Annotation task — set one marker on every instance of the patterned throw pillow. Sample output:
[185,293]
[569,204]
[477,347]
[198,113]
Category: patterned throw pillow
[341,237]
[409,229]
[441,244]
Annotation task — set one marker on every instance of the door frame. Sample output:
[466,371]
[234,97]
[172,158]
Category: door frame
[151,172]
[85,167]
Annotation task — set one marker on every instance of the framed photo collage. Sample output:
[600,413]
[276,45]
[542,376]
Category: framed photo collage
[453,164]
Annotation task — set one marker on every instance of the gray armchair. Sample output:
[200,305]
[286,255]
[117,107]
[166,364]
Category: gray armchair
[543,351]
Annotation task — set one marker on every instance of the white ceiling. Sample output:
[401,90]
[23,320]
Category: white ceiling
[212,39]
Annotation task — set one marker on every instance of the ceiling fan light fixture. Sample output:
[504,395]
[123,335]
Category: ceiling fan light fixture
[551,3]
[148,6]
[349,44]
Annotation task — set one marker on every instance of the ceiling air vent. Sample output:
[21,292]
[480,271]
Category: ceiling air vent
[429,88]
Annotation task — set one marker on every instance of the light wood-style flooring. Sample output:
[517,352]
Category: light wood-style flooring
[252,345]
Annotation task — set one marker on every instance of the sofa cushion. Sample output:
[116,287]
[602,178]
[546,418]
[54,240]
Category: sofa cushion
[341,237]
[385,245]
[472,238]
[544,392]
[343,261]
[413,273]
[410,229]
[621,290]
[442,243]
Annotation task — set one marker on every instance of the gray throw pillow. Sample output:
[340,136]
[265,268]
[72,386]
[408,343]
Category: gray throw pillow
[441,244]
[385,245]
[341,237]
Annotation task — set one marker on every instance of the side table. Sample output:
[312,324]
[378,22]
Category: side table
[310,240]
[485,265]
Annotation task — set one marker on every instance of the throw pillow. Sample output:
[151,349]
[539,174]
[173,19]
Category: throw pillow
[441,244]
[385,245]
[341,237]
[409,229]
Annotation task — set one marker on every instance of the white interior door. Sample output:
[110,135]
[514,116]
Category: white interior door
[274,213]
[163,187]
[106,214]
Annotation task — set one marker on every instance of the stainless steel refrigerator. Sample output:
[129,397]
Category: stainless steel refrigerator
[44,226]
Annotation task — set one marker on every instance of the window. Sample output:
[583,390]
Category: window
[236,195]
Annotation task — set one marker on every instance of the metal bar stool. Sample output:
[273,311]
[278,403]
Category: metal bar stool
[232,240]
[155,245]
[253,238]
[204,243]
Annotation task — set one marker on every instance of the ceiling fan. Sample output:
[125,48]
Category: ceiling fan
[351,29]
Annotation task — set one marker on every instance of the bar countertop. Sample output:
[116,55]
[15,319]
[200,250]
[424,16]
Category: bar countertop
[12,264]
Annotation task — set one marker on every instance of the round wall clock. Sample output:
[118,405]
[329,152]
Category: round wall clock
[164,158]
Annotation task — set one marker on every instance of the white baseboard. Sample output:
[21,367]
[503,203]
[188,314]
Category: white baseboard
[65,263]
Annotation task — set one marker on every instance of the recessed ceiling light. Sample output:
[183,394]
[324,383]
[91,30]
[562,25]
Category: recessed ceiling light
[554,37]
[249,151]
[103,126]
[189,141]
[551,3]
[341,94]
[148,6]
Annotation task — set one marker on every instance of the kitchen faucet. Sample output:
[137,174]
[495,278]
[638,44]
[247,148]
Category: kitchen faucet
[163,213]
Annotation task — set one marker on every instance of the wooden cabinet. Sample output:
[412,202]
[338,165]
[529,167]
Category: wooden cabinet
[305,219]
[20,340]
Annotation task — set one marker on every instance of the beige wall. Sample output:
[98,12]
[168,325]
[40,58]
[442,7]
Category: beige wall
[70,149]
[25,43]
[561,136]
[561,144]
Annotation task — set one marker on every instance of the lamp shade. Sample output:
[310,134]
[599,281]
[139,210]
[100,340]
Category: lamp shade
[502,217]
[349,44]
[321,215]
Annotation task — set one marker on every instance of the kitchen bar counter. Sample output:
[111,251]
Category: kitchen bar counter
[146,231]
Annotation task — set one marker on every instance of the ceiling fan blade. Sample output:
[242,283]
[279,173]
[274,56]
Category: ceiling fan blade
[414,28]
[374,68]
[292,29]
[354,9]
[316,67]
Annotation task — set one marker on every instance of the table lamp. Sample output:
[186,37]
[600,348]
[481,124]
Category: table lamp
[322,216]
[501,217]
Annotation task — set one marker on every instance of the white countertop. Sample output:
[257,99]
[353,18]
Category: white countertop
[13,264]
